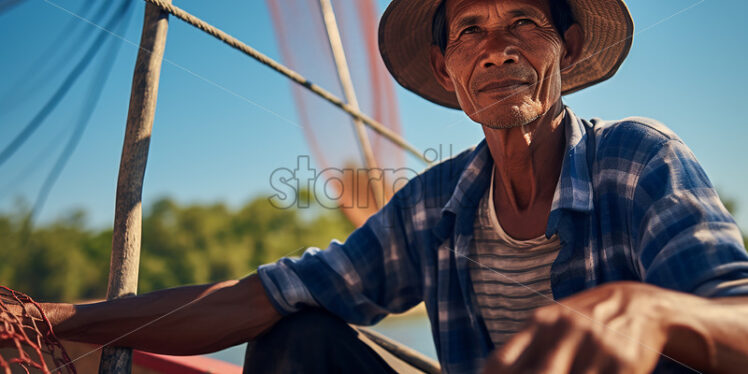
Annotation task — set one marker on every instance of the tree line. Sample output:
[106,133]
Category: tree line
[182,244]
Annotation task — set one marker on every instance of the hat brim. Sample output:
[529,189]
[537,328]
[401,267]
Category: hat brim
[405,41]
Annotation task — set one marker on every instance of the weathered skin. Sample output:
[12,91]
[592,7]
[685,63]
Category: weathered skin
[620,327]
[503,61]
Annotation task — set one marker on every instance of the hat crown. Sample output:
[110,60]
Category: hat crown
[405,40]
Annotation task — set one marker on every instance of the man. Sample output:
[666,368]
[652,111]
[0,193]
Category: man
[556,245]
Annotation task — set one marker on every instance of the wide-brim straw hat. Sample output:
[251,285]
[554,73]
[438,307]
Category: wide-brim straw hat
[405,40]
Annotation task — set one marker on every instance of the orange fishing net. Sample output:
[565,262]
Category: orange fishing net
[26,332]
[304,46]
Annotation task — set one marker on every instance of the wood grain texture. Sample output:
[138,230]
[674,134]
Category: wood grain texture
[125,257]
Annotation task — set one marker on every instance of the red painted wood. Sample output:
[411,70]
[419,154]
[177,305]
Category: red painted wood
[165,364]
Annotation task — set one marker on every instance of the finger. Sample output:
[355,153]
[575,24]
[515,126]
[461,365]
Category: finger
[588,357]
[593,359]
[552,351]
[607,364]
[560,358]
[493,364]
[512,350]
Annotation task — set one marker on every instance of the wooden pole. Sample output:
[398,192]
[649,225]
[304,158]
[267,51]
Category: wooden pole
[125,257]
[344,75]
[410,356]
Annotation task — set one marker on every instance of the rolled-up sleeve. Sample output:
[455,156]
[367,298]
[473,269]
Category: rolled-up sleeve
[372,274]
[686,239]
[286,291]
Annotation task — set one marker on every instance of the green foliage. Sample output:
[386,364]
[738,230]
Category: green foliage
[732,207]
[182,244]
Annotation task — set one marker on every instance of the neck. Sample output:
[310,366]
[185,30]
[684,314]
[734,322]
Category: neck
[527,164]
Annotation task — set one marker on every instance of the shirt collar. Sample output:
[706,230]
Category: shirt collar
[473,181]
[573,191]
[574,188]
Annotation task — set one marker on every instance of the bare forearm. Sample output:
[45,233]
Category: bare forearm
[713,336]
[183,320]
[623,327]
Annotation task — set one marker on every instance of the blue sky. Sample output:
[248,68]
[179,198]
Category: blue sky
[218,132]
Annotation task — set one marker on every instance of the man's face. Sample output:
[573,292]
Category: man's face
[502,60]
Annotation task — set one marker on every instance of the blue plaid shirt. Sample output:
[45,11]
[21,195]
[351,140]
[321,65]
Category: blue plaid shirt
[632,203]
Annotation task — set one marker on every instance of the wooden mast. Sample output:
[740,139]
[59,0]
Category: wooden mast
[125,257]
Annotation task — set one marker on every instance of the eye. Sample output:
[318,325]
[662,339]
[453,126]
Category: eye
[470,30]
[525,22]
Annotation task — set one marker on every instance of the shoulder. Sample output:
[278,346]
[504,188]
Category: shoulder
[638,151]
[627,130]
[635,139]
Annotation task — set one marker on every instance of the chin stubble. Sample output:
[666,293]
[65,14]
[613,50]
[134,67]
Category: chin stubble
[517,119]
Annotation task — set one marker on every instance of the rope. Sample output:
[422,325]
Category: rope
[294,76]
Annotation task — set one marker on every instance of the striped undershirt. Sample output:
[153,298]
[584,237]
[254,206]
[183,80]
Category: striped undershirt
[511,278]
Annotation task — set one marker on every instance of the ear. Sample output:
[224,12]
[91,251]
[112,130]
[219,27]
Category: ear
[439,68]
[574,38]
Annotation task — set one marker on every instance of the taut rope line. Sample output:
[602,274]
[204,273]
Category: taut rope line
[294,76]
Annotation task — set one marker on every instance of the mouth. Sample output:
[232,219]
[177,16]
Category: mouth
[503,86]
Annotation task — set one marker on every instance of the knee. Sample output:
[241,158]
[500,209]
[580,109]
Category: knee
[299,339]
[311,341]
[309,327]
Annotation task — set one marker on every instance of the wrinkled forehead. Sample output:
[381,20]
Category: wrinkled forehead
[477,8]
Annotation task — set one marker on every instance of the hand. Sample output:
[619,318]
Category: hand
[615,328]
[19,315]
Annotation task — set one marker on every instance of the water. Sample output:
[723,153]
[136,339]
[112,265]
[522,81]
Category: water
[412,330]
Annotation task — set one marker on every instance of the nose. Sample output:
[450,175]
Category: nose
[499,48]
